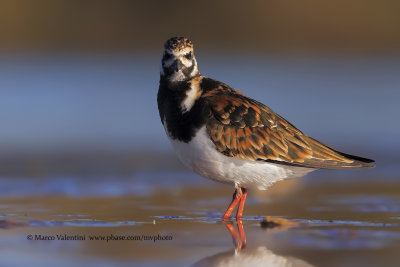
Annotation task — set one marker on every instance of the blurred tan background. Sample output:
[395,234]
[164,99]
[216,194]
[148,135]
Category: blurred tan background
[354,26]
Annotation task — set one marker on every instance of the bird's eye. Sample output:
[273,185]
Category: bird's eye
[188,55]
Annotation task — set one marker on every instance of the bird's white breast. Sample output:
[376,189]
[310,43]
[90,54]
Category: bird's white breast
[202,157]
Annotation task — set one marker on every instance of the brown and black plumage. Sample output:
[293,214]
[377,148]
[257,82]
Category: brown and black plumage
[228,137]
[242,127]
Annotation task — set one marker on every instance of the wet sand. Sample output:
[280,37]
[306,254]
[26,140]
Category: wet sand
[175,221]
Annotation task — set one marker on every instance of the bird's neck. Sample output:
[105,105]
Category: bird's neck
[181,95]
[175,88]
[181,111]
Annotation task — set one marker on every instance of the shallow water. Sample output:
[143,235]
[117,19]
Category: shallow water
[335,223]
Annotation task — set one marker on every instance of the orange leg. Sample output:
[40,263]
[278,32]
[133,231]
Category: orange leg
[239,195]
[243,196]
[235,200]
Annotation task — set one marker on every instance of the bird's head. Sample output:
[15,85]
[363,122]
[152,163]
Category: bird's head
[178,62]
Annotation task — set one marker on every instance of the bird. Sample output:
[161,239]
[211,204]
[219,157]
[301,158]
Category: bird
[230,138]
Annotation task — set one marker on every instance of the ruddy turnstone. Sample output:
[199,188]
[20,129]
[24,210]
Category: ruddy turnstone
[228,137]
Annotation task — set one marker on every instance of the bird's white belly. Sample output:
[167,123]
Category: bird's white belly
[202,157]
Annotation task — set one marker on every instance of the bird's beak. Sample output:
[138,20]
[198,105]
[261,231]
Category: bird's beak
[177,65]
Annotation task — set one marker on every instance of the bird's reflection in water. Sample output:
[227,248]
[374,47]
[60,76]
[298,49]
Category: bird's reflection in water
[239,236]
[258,256]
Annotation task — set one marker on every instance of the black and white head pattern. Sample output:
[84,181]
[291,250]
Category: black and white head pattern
[178,62]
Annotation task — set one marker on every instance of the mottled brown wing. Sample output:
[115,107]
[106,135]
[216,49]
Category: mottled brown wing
[244,128]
